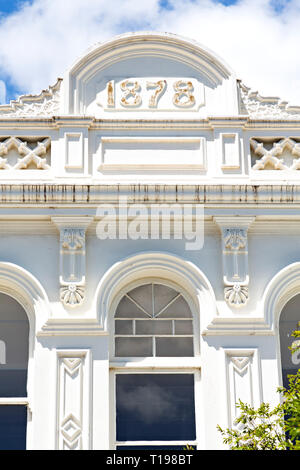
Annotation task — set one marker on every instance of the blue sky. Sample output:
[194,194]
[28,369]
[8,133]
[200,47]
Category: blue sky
[259,39]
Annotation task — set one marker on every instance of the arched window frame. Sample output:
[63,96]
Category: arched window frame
[282,287]
[156,365]
[23,287]
[184,277]
[292,369]
[167,283]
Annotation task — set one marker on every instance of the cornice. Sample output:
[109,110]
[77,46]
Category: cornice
[204,124]
[71,327]
[93,194]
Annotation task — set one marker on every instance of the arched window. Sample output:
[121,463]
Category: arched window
[154,406]
[288,322]
[153,320]
[14,346]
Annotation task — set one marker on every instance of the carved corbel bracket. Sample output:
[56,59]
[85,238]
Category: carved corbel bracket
[72,258]
[235,258]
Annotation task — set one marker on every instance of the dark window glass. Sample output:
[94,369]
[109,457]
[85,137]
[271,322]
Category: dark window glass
[14,345]
[155,407]
[14,334]
[289,318]
[13,419]
[174,347]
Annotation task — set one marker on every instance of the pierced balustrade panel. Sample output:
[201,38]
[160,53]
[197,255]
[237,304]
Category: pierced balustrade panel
[275,153]
[25,153]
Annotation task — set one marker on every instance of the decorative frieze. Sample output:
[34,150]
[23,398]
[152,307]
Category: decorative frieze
[73,397]
[72,258]
[235,258]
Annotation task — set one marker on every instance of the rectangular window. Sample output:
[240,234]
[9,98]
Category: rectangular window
[155,407]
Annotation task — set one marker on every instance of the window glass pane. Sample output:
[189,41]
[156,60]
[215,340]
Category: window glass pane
[162,296]
[178,309]
[170,347]
[127,309]
[135,347]
[155,407]
[13,421]
[152,327]
[123,327]
[143,296]
[288,322]
[14,344]
[183,327]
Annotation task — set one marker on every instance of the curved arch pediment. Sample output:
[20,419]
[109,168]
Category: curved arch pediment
[155,265]
[143,57]
[22,286]
[282,287]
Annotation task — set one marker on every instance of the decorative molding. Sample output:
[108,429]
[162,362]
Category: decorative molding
[46,104]
[281,288]
[30,153]
[243,380]
[73,397]
[230,151]
[72,258]
[74,150]
[238,326]
[27,290]
[72,327]
[235,258]
[70,195]
[140,153]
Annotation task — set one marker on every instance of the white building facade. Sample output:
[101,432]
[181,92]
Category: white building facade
[150,250]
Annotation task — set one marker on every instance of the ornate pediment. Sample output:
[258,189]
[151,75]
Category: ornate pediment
[148,74]
[141,74]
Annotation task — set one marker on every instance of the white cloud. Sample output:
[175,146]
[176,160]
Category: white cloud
[44,38]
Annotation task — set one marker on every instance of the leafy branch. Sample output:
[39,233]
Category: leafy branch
[265,428]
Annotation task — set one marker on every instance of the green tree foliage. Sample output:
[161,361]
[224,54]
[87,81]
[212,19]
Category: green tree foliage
[265,428]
